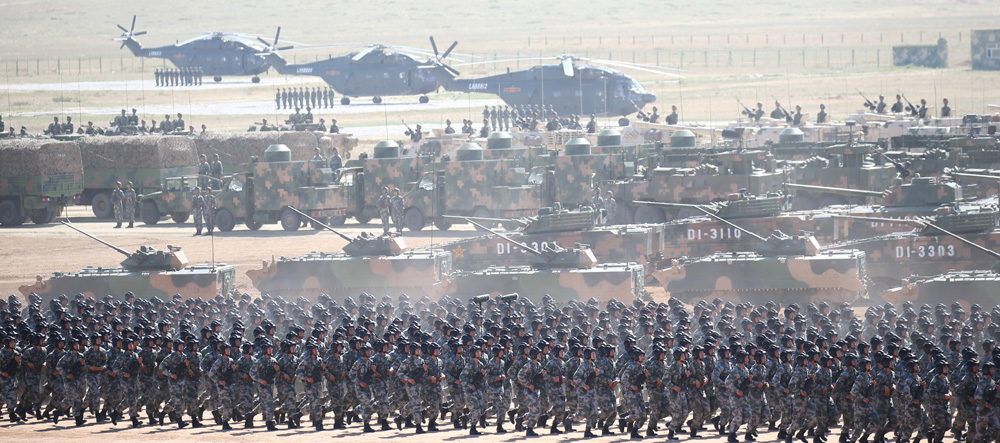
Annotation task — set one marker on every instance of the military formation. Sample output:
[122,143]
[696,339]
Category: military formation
[915,372]
[291,98]
[178,77]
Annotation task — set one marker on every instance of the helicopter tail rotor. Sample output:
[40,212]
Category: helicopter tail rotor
[271,47]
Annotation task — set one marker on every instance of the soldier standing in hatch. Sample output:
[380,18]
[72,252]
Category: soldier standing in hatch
[383,209]
[197,209]
[117,199]
[216,172]
[611,207]
[396,209]
[945,109]
[821,115]
[210,207]
[130,199]
[898,106]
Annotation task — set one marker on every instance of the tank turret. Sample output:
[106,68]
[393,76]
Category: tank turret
[366,244]
[778,243]
[554,256]
[147,258]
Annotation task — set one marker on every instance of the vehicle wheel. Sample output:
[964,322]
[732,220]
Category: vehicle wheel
[646,214]
[255,79]
[224,220]
[43,216]
[101,205]
[252,224]
[413,219]
[442,224]
[484,213]
[324,220]
[10,214]
[376,99]
[180,217]
[424,99]
[217,79]
[290,221]
[362,219]
[338,221]
[150,213]
[345,101]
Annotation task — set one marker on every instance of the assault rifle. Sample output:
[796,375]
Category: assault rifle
[868,103]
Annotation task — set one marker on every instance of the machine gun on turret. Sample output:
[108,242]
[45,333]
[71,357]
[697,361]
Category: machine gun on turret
[868,103]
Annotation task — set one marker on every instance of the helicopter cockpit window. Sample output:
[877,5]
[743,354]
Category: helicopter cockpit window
[426,184]
[620,90]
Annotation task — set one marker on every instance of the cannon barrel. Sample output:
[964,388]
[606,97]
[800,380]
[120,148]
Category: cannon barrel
[120,250]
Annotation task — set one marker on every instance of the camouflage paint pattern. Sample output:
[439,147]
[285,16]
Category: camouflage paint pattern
[195,281]
[746,276]
[966,287]
[393,173]
[39,192]
[570,179]
[143,180]
[420,272]
[986,49]
[623,281]
[928,56]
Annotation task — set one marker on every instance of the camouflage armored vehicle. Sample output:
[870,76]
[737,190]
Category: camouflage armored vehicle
[368,263]
[264,195]
[173,199]
[37,180]
[723,174]
[363,178]
[840,166]
[965,287]
[783,268]
[471,186]
[145,161]
[147,272]
[564,274]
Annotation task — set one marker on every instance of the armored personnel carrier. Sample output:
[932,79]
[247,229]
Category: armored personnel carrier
[966,287]
[562,273]
[146,273]
[368,263]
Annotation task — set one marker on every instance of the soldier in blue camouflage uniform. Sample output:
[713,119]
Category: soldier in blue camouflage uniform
[285,383]
[204,171]
[738,383]
[911,393]
[781,380]
[531,378]
[362,375]
[987,424]
[310,372]
[265,372]
[759,384]
[585,379]
[411,372]
[803,409]
[453,365]
[494,386]
[569,385]
[697,401]
[938,395]
[432,394]
[555,376]
[10,368]
[174,368]
[209,211]
[383,204]
[826,410]
[719,376]
[96,359]
[244,385]
[676,382]
[383,381]
[56,350]
[72,367]
[127,368]
[33,362]
[337,384]
[865,415]
[884,389]
[197,209]
[842,395]
[607,380]
[222,374]
[655,370]
[473,379]
[633,378]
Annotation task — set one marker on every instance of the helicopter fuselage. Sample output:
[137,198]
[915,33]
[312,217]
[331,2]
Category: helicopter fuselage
[215,56]
[592,90]
[377,74]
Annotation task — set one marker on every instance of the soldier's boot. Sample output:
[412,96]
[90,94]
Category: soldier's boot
[248,424]
[864,437]
[100,415]
[715,422]
[542,419]
[151,416]
[368,428]
[473,431]
[135,422]
[511,414]
[226,427]
[818,437]
[181,423]
[650,432]
[318,424]
[482,421]
[399,423]
[670,434]
[279,417]
[271,426]
[198,231]
[519,424]
[606,430]
[131,224]
[732,438]
[783,433]
[802,436]
[338,423]
[771,426]
[385,425]
[587,433]
[55,417]
[217,417]
[621,425]
[844,436]
[211,229]
[568,425]
[789,436]
[694,432]
[195,422]
[555,428]
[114,418]
[118,225]
[917,438]
[634,433]
[500,429]
[79,420]
[749,437]
[420,429]
[432,426]
[530,432]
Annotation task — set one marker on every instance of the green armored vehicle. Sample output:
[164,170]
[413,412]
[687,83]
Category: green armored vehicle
[38,179]
[363,178]
[147,272]
[265,194]
[368,263]
[966,287]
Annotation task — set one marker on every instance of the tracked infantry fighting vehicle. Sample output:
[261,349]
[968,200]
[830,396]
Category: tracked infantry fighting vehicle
[562,273]
[966,287]
[146,273]
[368,263]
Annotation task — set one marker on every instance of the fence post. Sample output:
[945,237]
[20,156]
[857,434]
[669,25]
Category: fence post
[58,65]
[706,58]
[779,57]
[803,57]
[38,66]
[852,57]
[755,57]
[100,64]
[828,57]
[17,67]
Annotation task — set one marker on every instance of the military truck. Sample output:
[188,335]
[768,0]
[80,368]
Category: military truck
[363,178]
[173,198]
[472,186]
[145,161]
[37,180]
[263,195]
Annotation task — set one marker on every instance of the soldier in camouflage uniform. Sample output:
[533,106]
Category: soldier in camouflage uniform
[216,173]
[738,384]
[585,379]
[531,378]
[204,171]
[884,389]
[175,369]
[127,368]
[555,376]
[310,372]
[337,383]
[826,410]
[10,367]
[130,200]
[633,378]
[384,204]
[722,393]
[697,401]
[987,424]
[362,374]
[412,373]
[96,360]
[209,211]
[611,207]
[803,408]
[33,363]
[117,199]
[938,395]
[396,208]
[222,374]
[658,407]
[676,381]
[842,395]
[244,385]
[473,379]
[865,415]
[197,209]
[432,393]
[781,380]
[72,368]
[494,386]
[607,381]
[759,383]
[285,384]
[911,393]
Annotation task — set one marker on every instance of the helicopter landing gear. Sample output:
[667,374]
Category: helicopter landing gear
[376,99]
[255,79]
[217,79]
[424,99]
[345,101]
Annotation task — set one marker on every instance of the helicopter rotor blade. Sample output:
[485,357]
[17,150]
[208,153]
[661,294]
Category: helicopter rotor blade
[122,28]
[659,68]
[284,48]
[503,61]
[265,42]
[122,46]
[633,67]
[435,46]
[448,51]
[276,35]
[363,53]
[567,65]
[139,33]
[133,24]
